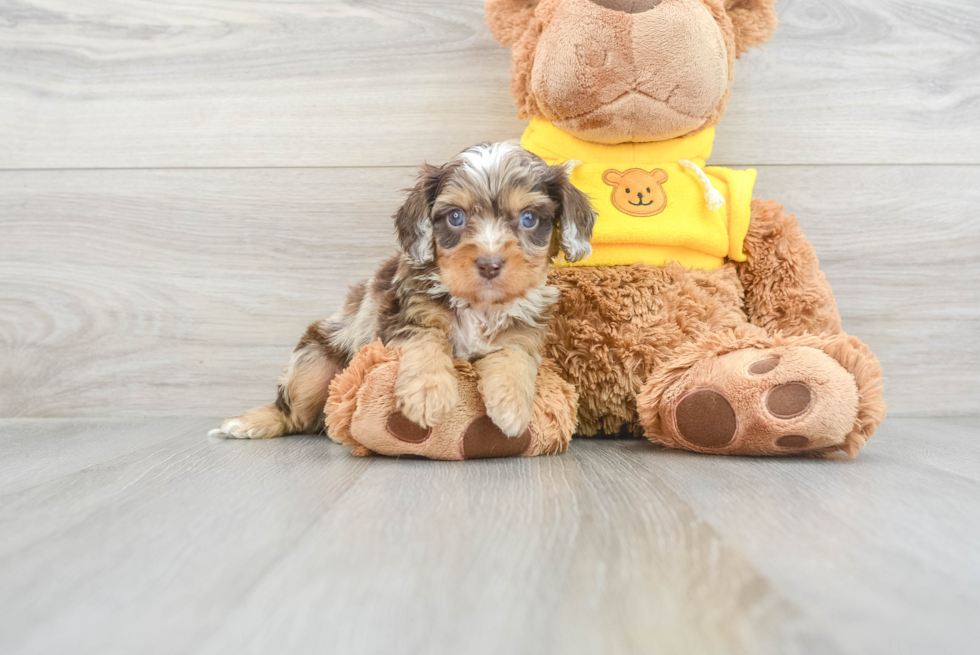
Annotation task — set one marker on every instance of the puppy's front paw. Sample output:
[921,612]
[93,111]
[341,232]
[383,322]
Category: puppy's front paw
[509,407]
[427,398]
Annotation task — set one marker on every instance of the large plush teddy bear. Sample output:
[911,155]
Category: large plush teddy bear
[701,320]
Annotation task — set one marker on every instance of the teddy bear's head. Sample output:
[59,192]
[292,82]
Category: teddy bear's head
[637,192]
[614,71]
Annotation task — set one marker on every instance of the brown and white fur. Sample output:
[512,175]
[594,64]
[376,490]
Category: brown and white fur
[475,291]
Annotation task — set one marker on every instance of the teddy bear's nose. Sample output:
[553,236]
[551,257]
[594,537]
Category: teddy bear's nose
[489,267]
[639,194]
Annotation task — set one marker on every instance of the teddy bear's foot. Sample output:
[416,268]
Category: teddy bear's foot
[778,400]
[362,413]
[782,400]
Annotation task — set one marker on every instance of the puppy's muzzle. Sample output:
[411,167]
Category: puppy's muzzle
[489,267]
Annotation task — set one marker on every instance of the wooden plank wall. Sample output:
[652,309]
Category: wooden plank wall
[184,186]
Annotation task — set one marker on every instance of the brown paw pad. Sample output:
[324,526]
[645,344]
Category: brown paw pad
[484,439]
[793,441]
[705,418]
[764,366]
[403,429]
[789,400]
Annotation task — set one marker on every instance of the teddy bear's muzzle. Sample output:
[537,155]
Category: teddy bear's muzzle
[609,75]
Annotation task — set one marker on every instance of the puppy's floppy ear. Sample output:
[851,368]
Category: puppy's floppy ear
[575,215]
[508,19]
[753,20]
[413,220]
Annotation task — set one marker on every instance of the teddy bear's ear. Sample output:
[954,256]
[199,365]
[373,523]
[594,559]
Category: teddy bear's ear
[753,20]
[508,19]
[612,177]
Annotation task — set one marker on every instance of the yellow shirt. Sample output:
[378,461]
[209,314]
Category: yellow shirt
[651,208]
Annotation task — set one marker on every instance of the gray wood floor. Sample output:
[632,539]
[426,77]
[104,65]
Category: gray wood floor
[131,536]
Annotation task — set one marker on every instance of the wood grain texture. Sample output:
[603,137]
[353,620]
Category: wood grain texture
[132,293]
[291,545]
[31,456]
[225,83]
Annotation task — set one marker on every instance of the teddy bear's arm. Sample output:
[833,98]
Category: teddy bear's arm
[784,287]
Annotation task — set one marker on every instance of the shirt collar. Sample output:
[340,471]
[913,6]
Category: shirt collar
[545,139]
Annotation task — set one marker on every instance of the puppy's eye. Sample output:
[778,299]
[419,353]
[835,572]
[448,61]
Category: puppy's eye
[528,220]
[627,189]
[648,189]
[456,218]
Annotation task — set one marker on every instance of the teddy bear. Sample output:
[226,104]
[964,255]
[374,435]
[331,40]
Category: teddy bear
[637,192]
[701,320]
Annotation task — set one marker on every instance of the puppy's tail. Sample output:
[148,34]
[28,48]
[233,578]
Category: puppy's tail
[303,389]
[263,422]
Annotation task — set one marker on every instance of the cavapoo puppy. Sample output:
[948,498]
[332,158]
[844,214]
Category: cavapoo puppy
[477,237]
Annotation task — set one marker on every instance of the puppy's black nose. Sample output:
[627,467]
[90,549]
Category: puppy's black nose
[489,267]
[639,195]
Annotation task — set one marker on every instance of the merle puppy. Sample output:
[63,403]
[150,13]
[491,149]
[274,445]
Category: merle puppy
[477,237]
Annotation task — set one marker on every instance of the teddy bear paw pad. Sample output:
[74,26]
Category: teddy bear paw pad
[772,402]
[793,442]
[789,400]
[484,439]
[402,428]
[705,418]
[763,366]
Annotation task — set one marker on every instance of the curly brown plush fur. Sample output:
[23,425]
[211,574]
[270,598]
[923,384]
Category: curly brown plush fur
[624,334]
[615,325]
[784,286]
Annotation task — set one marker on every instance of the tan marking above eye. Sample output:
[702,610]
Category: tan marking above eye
[516,201]
[456,196]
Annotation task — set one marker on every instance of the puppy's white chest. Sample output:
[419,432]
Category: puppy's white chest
[473,331]
[476,329]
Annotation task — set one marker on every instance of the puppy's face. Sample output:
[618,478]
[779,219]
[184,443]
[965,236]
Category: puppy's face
[492,219]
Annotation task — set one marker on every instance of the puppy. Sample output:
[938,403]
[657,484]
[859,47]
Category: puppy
[477,237]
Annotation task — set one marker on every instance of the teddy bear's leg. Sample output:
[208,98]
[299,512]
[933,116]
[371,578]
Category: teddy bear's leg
[786,296]
[785,290]
[749,393]
[361,413]
[615,325]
